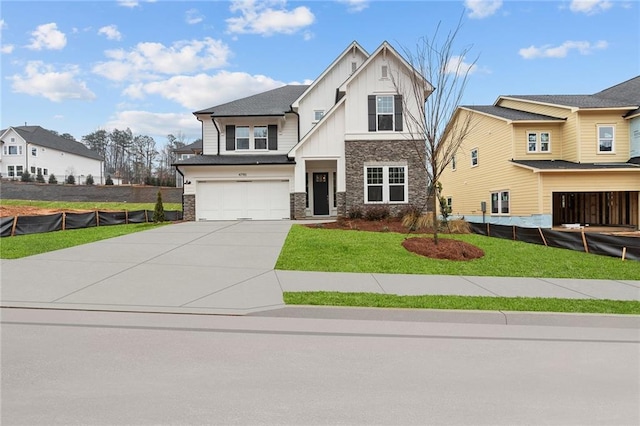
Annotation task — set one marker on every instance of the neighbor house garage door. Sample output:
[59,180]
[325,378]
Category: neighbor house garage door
[258,200]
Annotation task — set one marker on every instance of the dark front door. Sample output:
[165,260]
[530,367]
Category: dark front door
[320,194]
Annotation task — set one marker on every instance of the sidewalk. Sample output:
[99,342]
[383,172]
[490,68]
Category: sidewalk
[227,268]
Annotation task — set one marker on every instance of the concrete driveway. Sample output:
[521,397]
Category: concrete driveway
[194,267]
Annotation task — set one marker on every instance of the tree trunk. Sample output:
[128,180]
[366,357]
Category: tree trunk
[434,207]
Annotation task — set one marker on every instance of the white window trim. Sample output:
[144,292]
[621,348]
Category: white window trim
[613,139]
[248,137]
[393,113]
[8,149]
[538,147]
[477,151]
[315,111]
[252,139]
[500,192]
[386,184]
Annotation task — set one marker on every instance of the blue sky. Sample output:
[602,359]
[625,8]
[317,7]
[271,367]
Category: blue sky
[79,66]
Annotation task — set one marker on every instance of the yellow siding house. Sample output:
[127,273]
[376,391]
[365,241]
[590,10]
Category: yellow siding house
[550,160]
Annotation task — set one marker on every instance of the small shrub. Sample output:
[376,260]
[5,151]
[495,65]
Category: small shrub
[158,211]
[379,212]
[39,178]
[108,181]
[71,180]
[458,226]
[424,221]
[89,180]
[52,179]
[409,209]
[355,212]
[26,177]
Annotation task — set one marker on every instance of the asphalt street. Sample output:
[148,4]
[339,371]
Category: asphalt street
[106,368]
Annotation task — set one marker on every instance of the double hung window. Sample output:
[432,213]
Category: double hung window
[384,112]
[260,137]
[500,203]
[538,141]
[605,139]
[242,137]
[474,157]
[386,184]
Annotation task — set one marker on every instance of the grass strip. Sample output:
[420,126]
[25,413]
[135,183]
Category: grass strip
[89,205]
[484,303]
[28,245]
[329,250]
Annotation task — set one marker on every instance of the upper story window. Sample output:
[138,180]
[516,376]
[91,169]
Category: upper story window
[453,162]
[384,72]
[34,152]
[242,137]
[385,113]
[538,141]
[317,115]
[12,150]
[260,137]
[354,66]
[251,138]
[474,157]
[606,137]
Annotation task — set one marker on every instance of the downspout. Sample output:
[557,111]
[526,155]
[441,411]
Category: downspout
[181,174]
[26,157]
[218,131]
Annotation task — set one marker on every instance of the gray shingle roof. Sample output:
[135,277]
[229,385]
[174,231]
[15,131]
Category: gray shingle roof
[628,91]
[511,114]
[578,101]
[568,165]
[42,137]
[188,149]
[234,160]
[273,102]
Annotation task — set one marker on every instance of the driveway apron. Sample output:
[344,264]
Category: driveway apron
[190,267]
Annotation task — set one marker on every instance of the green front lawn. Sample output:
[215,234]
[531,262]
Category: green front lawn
[27,245]
[316,249]
[89,205]
[522,304]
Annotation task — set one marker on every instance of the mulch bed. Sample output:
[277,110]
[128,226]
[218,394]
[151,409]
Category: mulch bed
[424,246]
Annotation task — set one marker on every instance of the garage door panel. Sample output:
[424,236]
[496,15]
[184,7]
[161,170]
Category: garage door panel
[259,200]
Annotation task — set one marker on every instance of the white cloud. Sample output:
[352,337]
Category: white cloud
[266,20]
[128,3]
[47,36]
[547,51]
[193,16]
[148,60]
[111,32]
[355,6]
[154,124]
[43,80]
[197,92]
[7,48]
[590,7]
[458,66]
[3,24]
[482,8]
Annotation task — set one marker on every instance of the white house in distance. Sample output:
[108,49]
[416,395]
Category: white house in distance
[37,150]
[320,150]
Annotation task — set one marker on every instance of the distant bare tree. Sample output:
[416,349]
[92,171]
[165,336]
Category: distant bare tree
[444,75]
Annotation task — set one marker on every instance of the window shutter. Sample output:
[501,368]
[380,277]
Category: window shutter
[397,108]
[273,137]
[230,132]
[372,113]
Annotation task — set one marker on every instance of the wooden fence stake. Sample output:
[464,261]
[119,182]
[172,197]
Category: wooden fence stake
[488,230]
[64,220]
[97,218]
[544,240]
[514,232]
[584,242]
[126,217]
[624,253]
[146,216]
[13,227]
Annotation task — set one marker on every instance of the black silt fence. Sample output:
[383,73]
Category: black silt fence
[80,220]
[37,224]
[6,226]
[602,244]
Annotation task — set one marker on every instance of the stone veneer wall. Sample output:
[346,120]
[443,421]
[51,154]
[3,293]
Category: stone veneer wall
[357,153]
[298,205]
[341,203]
[189,207]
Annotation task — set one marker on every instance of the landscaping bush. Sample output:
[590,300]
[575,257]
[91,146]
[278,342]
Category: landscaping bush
[109,181]
[379,212]
[89,180]
[71,180]
[52,179]
[409,209]
[158,212]
[355,212]
[26,177]
[39,178]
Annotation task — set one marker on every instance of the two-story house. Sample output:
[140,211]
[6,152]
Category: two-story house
[315,150]
[550,160]
[40,152]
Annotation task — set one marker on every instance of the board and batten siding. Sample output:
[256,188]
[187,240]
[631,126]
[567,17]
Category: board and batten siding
[589,122]
[602,181]
[323,94]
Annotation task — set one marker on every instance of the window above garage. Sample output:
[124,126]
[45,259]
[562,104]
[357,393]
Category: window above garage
[251,138]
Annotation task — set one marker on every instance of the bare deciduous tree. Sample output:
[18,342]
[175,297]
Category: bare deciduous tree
[444,75]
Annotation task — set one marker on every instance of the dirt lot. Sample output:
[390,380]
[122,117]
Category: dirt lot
[32,211]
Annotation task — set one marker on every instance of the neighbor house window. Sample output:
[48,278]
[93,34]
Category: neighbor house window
[384,112]
[34,152]
[605,139]
[538,141]
[11,171]
[14,150]
[260,137]
[33,170]
[500,202]
[449,204]
[19,170]
[318,114]
[242,137]
[45,172]
[474,157]
[453,162]
[386,184]
[39,171]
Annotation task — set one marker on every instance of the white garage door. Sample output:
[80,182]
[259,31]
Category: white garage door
[258,200]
